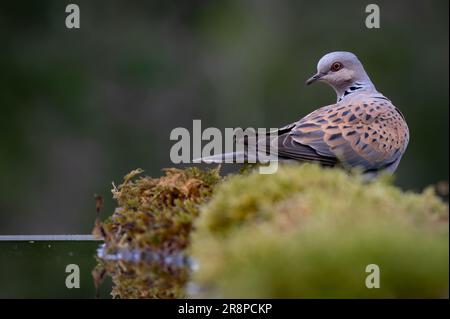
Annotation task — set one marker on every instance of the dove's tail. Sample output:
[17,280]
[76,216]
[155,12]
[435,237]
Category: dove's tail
[237,157]
[233,157]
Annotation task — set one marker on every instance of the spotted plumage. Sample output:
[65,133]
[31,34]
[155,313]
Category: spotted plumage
[363,129]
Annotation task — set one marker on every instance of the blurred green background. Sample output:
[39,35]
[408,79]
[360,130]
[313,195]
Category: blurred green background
[81,108]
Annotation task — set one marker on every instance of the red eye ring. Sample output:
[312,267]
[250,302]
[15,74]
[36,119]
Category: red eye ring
[336,66]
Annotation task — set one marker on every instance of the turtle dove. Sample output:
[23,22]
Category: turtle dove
[363,129]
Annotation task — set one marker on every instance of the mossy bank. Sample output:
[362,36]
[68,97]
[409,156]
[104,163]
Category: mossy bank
[146,236]
[303,232]
[309,232]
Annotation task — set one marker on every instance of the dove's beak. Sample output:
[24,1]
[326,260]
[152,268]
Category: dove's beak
[314,78]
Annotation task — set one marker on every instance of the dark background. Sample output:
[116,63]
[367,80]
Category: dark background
[80,108]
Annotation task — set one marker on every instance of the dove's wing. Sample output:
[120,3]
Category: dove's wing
[365,131]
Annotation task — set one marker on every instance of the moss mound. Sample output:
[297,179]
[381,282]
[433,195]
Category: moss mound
[309,232]
[147,234]
[157,213]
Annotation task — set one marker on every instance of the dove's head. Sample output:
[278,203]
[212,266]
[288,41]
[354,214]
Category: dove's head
[342,71]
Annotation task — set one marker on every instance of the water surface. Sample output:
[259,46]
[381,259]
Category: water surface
[35,266]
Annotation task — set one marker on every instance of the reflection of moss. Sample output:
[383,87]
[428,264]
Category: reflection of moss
[143,280]
[153,214]
[310,232]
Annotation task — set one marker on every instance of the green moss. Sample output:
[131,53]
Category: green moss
[157,213]
[154,215]
[302,232]
[310,232]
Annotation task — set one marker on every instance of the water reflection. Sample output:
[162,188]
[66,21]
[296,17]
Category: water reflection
[143,274]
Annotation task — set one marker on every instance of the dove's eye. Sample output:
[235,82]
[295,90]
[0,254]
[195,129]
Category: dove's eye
[336,66]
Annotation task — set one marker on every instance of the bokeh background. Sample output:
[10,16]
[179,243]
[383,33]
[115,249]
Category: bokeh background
[80,108]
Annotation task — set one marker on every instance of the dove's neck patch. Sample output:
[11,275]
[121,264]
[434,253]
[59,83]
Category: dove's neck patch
[355,87]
